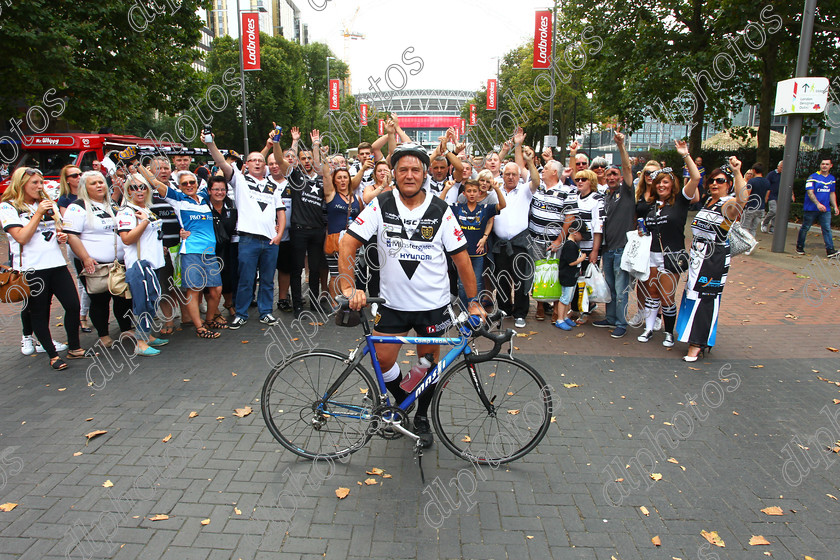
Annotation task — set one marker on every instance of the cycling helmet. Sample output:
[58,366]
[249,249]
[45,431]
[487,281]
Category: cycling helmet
[410,149]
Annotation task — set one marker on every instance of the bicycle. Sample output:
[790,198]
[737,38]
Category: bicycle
[321,404]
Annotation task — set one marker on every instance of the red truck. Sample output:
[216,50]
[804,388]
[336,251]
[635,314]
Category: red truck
[51,152]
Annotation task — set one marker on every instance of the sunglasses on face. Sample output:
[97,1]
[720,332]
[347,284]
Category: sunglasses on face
[137,187]
[720,180]
[73,175]
[189,183]
[581,179]
[598,167]
[580,163]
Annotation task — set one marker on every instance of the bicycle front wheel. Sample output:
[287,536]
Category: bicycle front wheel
[511,424]
[305,420]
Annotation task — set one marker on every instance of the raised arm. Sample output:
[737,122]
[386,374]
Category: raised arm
[319,168]
[377,146]
[693,174]
[518,157]
[218,159]
[499,196]
[626,171]
[399,131]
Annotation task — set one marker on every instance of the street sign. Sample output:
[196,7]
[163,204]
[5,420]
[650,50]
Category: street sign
[801,95]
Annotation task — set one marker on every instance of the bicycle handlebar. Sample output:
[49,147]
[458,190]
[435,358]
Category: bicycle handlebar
[344,302]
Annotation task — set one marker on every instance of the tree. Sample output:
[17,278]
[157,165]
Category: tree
[108,60]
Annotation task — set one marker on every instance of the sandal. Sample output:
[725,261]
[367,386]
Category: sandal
[204,332]
[58,364]
[231,311]
[167,329]
[85,326]
[77,354]
[217,322]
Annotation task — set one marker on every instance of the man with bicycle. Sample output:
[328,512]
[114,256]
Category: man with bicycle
[415,232]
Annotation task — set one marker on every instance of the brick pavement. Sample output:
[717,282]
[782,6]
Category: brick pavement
[573,497]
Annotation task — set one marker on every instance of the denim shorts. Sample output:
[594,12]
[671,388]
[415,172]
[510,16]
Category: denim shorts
[200,271]
[567,295]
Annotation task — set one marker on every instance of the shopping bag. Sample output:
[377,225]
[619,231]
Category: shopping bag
[546,283]
[636,256]
[600,290]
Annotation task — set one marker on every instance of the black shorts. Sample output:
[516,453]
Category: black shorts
[284,257]
[425,323]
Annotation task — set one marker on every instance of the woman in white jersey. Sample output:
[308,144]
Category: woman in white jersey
[68,192]
[140,230]
[28,220]
[92,224]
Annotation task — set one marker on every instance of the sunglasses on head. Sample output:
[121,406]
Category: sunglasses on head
[32,171]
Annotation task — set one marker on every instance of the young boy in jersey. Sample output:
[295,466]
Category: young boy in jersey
[570,258]
[476,221]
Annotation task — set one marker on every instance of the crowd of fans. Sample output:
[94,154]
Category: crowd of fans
[224,230]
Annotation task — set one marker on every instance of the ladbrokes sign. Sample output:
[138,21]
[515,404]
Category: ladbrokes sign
[251,41]
[542,40]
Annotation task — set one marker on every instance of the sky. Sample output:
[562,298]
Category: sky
[456,39]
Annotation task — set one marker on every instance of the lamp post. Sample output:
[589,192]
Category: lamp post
[329,111]
[239,12]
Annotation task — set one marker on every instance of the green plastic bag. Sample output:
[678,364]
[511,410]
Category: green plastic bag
[546,283]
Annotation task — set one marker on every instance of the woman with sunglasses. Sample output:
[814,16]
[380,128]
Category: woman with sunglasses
[342,208]
[141,231]
[92,224]
[28,218]
[67,194]
[665,221]
[700,305]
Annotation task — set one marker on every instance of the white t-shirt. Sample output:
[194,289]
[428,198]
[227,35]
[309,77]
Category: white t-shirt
[98,234]
[41,251]
[367,178]
[589,209]
[257,201]
[513,219]
[150,242]
[412,246]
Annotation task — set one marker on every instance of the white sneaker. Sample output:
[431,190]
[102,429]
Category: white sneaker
[27,345]
[645,336]
[658,325]
[59,347]
[519,323]
[669,340]
[638,319]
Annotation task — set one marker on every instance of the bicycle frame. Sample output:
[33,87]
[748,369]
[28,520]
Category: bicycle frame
[367,347]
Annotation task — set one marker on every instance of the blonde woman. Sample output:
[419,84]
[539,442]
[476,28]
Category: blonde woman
[68,193]
[28,218]
[92,225]
[140,230]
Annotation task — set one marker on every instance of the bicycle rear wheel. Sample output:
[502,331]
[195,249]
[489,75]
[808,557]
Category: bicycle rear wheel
[517,419]
[299,416]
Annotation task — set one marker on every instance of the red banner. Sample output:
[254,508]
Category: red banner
[491,95]
[381,127]
[463,126]
[333,95]
[473,118]
[542,40]
[363,114]
[250,41]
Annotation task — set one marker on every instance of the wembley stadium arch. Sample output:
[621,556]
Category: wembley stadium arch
[424,114]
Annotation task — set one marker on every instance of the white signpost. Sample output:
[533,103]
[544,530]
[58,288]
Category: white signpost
[801,96]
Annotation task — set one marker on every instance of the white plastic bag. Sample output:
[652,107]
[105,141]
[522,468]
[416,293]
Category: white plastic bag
[636,256]
[599,289]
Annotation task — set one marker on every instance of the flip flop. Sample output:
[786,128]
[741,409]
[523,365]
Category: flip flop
[58,364]
[76,354]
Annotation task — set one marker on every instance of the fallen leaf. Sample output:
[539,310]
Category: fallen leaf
[516,347]
[757,366]
[386,476]
[570,385]
[713,538]
[655,476]
[667,423]
[410,353]
[533,333]
[492,375]
[77,453]
[242,412]
[735,413]
[363,391]
[220,417]
[580,334]
[405,362]
[656,541]
[193,414]
[522,335]
[832,496]
[167,438]
[342,493]
[672,460]
[232,374]
[832,348]
[553,419]
[773,510]
[370,481]
[359,482]
[62,389]
[237,511]
[95,433]
[682,467]
[88,419]
[513,412]
[107,484]
[529,536]
[694,368]
[466,439]
[806,557]
[205,522]
[619,480]
[375,471]
[244,342]
[186,380]
[758,539]
[159,517]
[645,511]
[8,506]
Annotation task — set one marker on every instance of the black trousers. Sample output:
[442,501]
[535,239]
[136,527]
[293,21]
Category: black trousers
[45,284]
[100,308]
[306,243]
[513,273]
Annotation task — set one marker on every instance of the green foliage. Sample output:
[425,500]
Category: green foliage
[94,57]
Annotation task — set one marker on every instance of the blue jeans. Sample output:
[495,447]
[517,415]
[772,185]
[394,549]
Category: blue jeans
[824,219]
[617,280]
[254,253]
[478,268]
